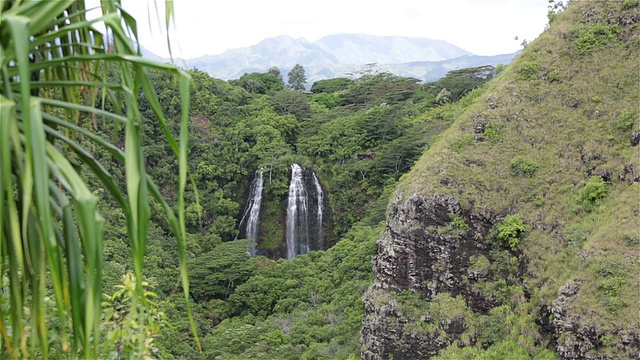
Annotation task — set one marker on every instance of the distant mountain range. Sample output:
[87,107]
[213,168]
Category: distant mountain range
[343,55]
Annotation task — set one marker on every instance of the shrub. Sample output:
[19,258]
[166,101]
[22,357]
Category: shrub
[625,121]
[458,222]
[612,286]
[528,71]
[510,230]
[493,132]
[554,76]
[592,36]
[538,201]
[523,166]
[592,193]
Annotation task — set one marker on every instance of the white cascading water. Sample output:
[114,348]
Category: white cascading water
[252,211]
[320,200]
[305,211]
[297,215]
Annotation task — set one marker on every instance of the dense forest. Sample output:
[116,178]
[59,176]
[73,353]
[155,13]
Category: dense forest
[358,135]
[490,214]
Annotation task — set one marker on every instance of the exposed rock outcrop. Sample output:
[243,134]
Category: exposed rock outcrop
[448,277]
[415,256]
[583,341]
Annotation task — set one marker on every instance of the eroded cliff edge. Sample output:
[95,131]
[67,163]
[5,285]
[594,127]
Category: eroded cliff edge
[551,143]
[438,286]
[414,257]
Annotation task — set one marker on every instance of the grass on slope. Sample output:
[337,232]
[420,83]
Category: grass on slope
[562,113]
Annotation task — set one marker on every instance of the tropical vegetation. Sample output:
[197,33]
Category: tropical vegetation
[123,180]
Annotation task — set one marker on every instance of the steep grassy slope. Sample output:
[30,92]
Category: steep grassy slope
[552,142]
[572,118]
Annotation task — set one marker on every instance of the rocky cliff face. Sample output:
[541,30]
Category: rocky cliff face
[420,255]
[584,341]
[413,256]
[554,142]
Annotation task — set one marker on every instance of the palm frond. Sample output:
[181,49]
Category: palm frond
[52,66]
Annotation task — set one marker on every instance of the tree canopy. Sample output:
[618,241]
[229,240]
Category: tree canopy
[297,78]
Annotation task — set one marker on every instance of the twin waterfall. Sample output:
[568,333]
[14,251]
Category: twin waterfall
[251,216]
[305,207]
[304,213]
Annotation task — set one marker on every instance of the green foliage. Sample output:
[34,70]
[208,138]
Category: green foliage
[612,286]
[331,85]
[554,76]
[296,78]
[510,230]
[459,223]
[244,341]
[291,102]
[632,239]
[261,83]
[523,166]
[56,162]
[591,36]
[272,232]
[215,274]
[458,83]
[309,307]
[479,263]
[130,323]
[381,88]
[275,72]
[528,71]
[329,100]
[611,282]
[462,142]
[493,132]
[538,201]
[592,193]
[455,352]
[575,235]
[443,97]
[507,349]
[626,120]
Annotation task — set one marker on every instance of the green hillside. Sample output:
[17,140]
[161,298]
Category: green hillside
[557,150]
[548,156]
[493,214]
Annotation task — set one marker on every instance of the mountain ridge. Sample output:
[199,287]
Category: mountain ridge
[338,55]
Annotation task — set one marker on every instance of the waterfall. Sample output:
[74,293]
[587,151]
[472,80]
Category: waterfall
[251,216]
[320,210]
[305,210]
[297,215]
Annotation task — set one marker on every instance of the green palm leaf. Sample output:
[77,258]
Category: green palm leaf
[52,62]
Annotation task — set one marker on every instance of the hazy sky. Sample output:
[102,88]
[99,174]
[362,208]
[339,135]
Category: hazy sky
[209,27]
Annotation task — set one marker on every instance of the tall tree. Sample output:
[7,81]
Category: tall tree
[54,69]
[275,72]
[297,79]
